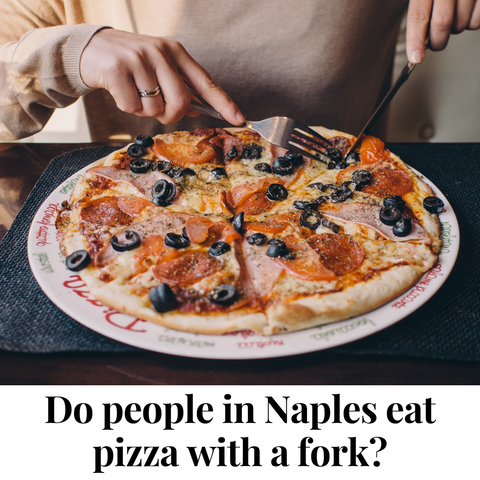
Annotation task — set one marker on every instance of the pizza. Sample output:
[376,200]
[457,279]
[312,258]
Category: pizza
[215,231]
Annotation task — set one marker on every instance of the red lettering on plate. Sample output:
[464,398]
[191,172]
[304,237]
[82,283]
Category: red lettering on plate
[110,313]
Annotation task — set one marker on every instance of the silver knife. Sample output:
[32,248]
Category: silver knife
[407,70]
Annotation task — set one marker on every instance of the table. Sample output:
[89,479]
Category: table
[22,164]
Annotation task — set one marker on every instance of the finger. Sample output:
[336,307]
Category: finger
[201,81]
[463,14]
[475,18]
[146,79]
[418,19]
[125,94]
[441,23]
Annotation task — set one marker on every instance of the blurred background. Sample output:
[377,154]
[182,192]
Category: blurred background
[439,103]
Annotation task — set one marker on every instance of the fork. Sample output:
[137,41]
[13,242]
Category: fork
[281,131]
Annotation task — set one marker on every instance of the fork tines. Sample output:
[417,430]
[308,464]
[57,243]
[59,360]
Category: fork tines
[308,142]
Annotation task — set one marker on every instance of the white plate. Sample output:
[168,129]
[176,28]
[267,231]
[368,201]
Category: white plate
[70,294]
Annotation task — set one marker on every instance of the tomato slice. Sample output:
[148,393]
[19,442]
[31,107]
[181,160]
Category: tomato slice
[184,154]
[241,193]
[133,205]
[197,228]
[153,248]
[372,150]
[272,224]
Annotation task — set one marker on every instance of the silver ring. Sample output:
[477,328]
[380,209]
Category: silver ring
[150,93]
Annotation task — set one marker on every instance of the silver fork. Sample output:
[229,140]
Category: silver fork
[281,131]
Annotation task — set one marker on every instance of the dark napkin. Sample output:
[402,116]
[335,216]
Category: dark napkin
[447,327]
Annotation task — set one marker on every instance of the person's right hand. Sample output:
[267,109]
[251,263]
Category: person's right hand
[123,63]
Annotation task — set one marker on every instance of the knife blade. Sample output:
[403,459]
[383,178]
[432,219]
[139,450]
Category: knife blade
[402,78]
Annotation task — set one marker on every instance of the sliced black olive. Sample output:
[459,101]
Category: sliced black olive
[340,195]
[390,215]
[394,201]
[163,192]
[282,166]
[332,226]
[331,165]
[224,295]
[433,204]
[78,260]
[232,153]
[318,185]
[352,158]
[300,205]
[175,241]
[162,298]
[136,151]
[276,192]
[238,221]
[263,167]
[321,199]
[277,248]
[180,172]
[162,166]
[252,151]
[403,227]
[341,165]
[295,158]
[330,186]
[347,186]
[310,219]
[257,239]
[218,248]
[289,256]
[184,234]
[144,140]
[334,154]
[361,177]
[140,165]
[219,172]
[125,241]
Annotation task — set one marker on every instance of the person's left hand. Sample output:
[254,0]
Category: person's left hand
[438,19]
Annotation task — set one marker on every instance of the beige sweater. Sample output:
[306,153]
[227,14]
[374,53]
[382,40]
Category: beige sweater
[324,62]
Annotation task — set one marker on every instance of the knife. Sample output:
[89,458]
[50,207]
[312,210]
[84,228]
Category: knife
[407,70]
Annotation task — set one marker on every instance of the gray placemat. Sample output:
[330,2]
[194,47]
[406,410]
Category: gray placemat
[447,327]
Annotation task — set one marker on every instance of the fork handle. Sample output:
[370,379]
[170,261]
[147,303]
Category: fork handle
[205,109]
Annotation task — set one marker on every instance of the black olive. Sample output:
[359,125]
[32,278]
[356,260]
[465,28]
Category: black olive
[257,239]
[310,219]
[277,248]
[162,166]
[330,186]
[300,205]
[162,298]
[361,177]
[140,165]
[289,256]
[136,151]
[394,201]
[340,195]
[175,241]
[341,165]
[433,204]
[232,153]
[252,151]
[179,172]
[334,154]
[238,221]
[184,234]
[318,185]
[276,192]
[263,167]
[321,199]
[219,172]
[163,192]
[353,157]
[282,166]
[78,260]
[224,295]
[403,227]
[346,186]
[295,158]
[218,248]
[332,226]
[125,241]
[390,215]
[144,140]
[331,165]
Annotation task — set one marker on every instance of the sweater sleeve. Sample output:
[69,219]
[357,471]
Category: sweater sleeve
[38,73]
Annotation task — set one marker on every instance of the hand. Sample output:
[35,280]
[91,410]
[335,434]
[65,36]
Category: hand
[438,19]
[123,62]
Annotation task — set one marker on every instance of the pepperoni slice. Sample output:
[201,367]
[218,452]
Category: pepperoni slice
[152,246]
[187,269]
[372,150]
[197,228]
[340,254]
[388,181]
[256,204]
[133,206]
[105,211]
[243,192]
[306,265]
[185,154]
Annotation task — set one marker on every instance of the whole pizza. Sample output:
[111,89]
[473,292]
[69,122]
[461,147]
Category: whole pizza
[216,231]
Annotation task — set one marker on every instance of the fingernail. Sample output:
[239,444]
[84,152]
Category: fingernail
[417,56]
[240,117]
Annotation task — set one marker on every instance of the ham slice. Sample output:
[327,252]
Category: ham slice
[368,215]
